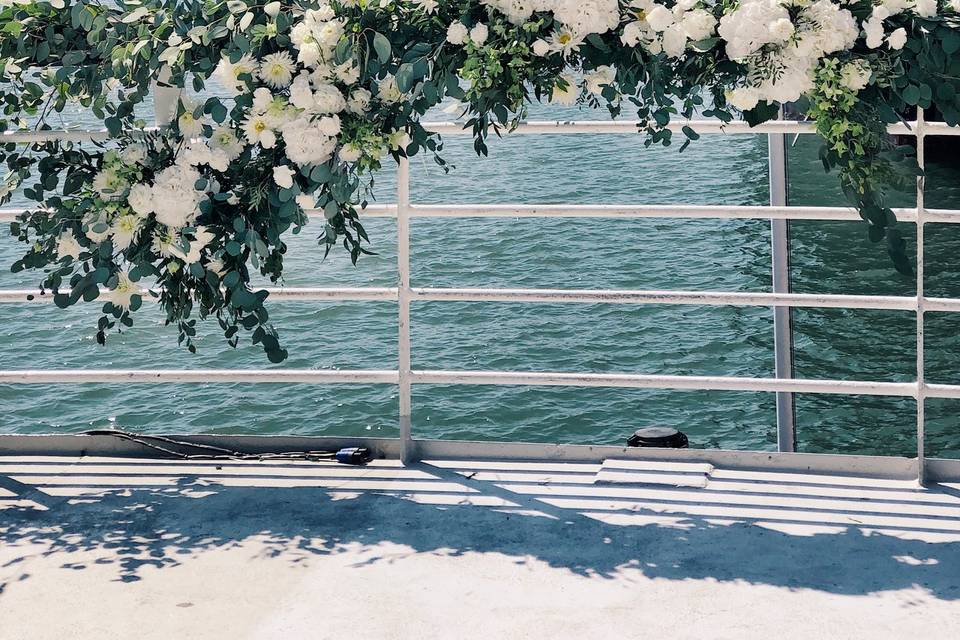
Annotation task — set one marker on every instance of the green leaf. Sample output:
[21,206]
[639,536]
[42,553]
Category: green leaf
[911,95]
[382,46]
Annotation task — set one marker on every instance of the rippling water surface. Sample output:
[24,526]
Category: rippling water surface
[561,253]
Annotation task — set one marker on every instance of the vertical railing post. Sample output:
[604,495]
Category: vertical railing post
[165,98]
[407,453]
[782,324]
[921,366]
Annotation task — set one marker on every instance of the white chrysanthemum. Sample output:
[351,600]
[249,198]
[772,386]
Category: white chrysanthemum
[388,91]
[122,294]
[134,154]
[277,69]
[189,125]
[348,72]
[565,41]
[225,140]
[228,73]
[565,95]
[109,184]
[856,75]
[124,231]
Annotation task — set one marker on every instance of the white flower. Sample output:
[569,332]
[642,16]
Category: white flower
[67,245]
[283,176]
[926,8]
[698,24]
[140,199]
[674,41]
[348,72]
[743,98]
[225,140]
[659,18]
[897,39]
[873,28]
[328,125]
[109,184]
[124,231]
[388,90]
[541,47]
[305,201]
[633,34]
[855,75]
[349,152]
[565,41]
[457,33]
[189,126]
[175,199]
[479,33]
[359,101]
[277,69]
[307,144]
[229,73]
[309,53]
[595,80]
[135,153]
[122,294]
[272,9]
[328,99]
[257,131]
[567,95]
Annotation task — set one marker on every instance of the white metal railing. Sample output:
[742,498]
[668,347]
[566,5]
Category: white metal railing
[405,294]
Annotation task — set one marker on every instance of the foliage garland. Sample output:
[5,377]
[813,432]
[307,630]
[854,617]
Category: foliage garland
[325,92]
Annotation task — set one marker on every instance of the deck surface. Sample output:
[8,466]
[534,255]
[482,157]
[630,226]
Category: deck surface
[112,548]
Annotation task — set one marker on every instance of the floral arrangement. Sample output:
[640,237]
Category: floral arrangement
[322,93]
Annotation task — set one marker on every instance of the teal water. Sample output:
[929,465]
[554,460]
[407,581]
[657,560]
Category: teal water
[595,253]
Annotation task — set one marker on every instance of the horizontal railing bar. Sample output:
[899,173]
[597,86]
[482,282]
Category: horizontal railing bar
[293,376]
[533,127]
[691,383]
[288,294]
[372,211]
[646,211]
[543,127]
[439,377]
[950,216]
[709,298]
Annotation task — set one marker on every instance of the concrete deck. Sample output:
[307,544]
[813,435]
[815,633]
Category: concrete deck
[117,548]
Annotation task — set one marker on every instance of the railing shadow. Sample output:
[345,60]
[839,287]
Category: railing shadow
[857,538]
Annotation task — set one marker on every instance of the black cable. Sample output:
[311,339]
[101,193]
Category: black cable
[355,455]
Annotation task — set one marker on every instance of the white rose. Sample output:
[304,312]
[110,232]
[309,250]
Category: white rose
[926,8]
[541,47]
[699,24]
[283,176]
[897,39]
[305,201]
[140,199]
[743,98]
[874,30]
[457,33]
[659,18]
[674,41]
[479,34]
